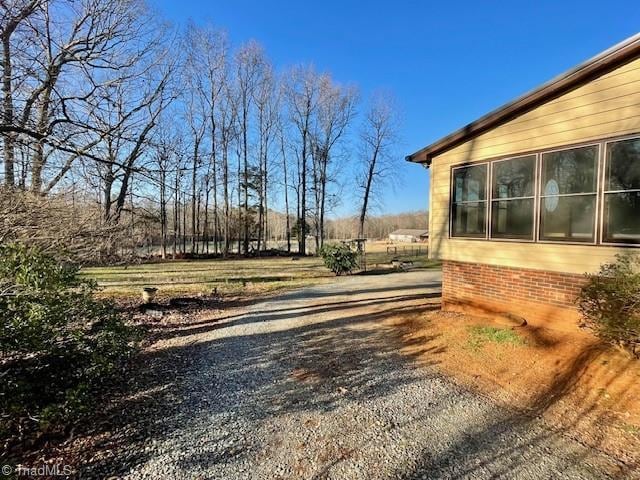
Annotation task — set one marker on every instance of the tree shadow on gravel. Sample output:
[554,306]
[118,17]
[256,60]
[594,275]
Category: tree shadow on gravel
[272,315]
[501,446]
[319,292]
[251,377]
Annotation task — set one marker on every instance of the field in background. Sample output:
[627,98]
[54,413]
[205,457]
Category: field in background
[253,276]
[234,276]
[381,253]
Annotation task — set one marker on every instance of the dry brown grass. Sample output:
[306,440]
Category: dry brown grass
[251,277]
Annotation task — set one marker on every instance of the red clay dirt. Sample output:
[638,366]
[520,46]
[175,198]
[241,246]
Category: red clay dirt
[573,380]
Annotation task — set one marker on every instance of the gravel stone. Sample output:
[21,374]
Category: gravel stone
[310,385]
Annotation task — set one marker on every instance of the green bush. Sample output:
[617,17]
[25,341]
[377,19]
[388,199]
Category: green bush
[610,302]
[58,344]
[339,258]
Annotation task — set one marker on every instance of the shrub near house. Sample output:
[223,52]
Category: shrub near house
[57,343]
[610,302]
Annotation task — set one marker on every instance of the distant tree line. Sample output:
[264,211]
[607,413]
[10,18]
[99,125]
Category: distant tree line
[377,227]
[141,130]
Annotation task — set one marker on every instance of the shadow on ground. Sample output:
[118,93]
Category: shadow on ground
[343,351]
[305,355]
[491,446]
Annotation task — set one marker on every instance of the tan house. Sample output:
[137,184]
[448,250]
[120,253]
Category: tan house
[528,198]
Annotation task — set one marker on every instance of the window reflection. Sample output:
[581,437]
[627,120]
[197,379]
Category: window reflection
[469,207]
[514,178]
[513,183]
[470,183]
[568,195]
[573,171]
[621,211]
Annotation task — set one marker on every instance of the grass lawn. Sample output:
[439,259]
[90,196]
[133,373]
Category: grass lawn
[382,253]
[480,335]
[252,276]
[192,277]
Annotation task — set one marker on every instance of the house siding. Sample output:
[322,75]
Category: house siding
[606,107]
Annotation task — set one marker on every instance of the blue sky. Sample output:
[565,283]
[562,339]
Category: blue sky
[447,62]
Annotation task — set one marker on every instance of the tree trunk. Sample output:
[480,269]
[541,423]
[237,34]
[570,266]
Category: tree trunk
[214,173]
[176,213]
[184,223]
[106,197]
[194,172]
[316,193]
[163,213]
[266,207]
[303,192]
[302,240]
[225,187]
[205,227]
[260,196]
[198,231]
[367,191]
[323,193]
[286,199]
[246,180]
[239,204]
[44,113]
[216,218]
[7,106]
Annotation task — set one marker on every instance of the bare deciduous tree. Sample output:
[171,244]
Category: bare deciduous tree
[95,105]
[302,93]
[267,116]
[336,110]
[13,15]
[377,140]
[249,65]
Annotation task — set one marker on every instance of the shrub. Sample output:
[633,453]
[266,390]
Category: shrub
[58,344]
[610,302]
[339,258]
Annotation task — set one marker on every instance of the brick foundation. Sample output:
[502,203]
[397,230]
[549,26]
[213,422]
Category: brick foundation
[543,298]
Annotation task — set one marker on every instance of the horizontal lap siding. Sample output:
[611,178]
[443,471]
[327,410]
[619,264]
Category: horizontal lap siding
[606,107]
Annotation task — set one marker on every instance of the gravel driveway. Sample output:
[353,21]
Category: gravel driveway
[310,385]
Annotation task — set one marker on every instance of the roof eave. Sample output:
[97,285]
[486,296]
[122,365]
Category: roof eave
[597,66]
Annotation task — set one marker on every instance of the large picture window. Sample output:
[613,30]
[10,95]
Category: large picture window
[469,202]
[621,210]
[588,194]
[568,194]
[512,198]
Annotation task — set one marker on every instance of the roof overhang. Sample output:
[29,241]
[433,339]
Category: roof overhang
[605,62]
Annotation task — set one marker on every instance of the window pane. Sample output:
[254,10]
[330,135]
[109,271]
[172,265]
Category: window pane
[622,217]
[512,219]
[470,183]
[569,171]
[567,218]
[514,178]
[468,219]
[623,165]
